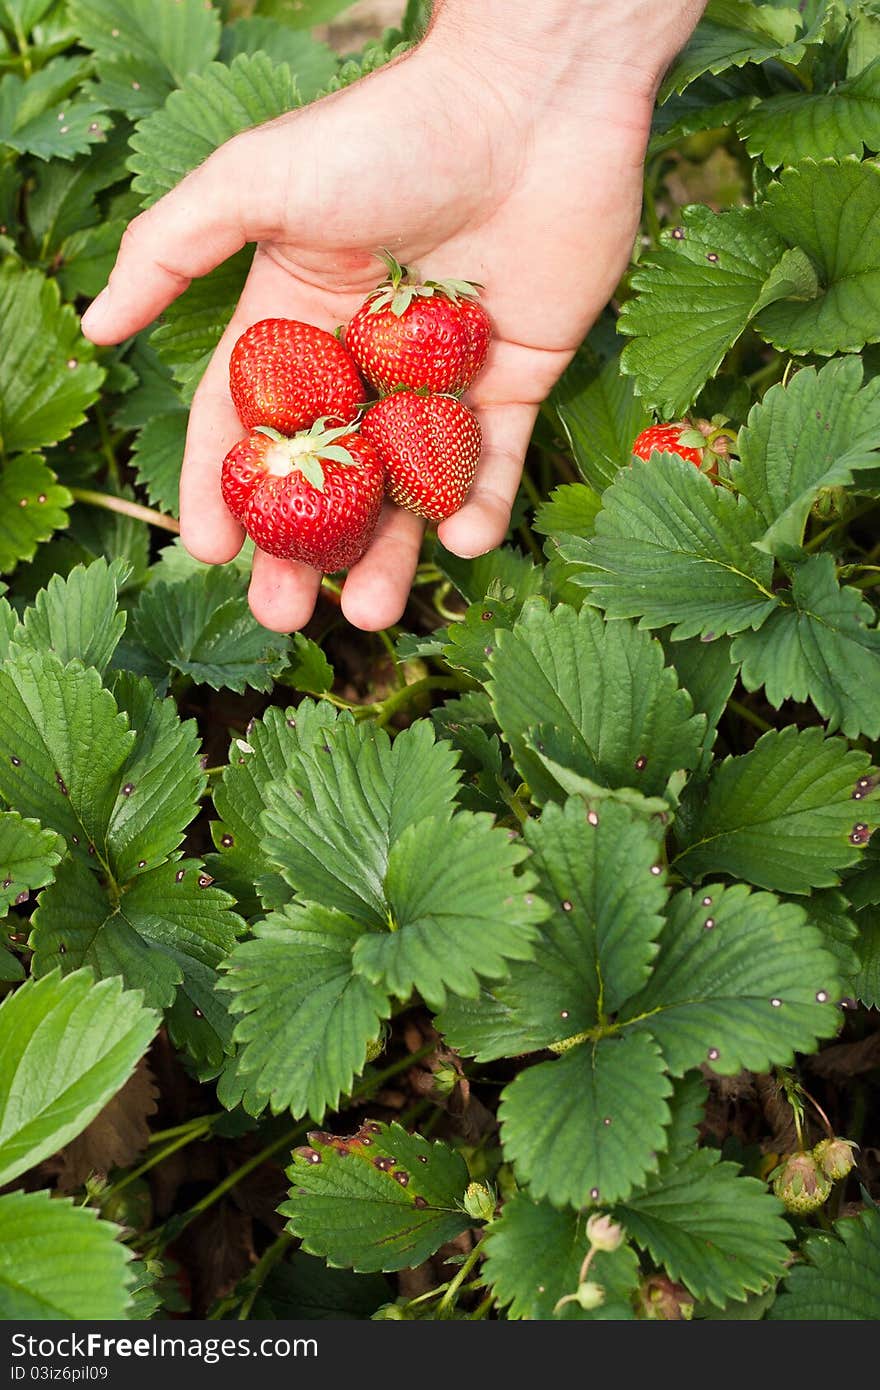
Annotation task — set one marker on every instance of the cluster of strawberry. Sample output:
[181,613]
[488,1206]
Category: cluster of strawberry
[308,480]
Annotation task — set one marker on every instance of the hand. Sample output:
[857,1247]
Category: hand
[471,166]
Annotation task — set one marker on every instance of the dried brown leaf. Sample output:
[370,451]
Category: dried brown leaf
[116,1137]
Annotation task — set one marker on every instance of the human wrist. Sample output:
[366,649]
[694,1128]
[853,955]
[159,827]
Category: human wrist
[636,39]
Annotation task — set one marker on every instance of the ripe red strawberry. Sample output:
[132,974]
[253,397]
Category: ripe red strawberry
[287,375]
[315,497]
[432,336]
[430,446]
[702,443]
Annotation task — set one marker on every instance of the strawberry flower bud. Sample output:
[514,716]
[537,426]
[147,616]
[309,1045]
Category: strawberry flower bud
[603,1233]
[479,1201]
[800,1184]
[590,1296]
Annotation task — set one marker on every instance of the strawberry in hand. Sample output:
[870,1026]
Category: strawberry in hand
[314,497]
[430,447]
[287,375]
[431,335]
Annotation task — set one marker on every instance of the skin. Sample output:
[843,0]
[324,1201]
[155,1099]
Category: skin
[507,148]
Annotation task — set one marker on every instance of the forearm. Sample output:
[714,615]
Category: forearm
[640,37]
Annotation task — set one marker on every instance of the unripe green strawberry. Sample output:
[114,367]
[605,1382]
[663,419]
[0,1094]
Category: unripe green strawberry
[800,1184]
[835,1157]
[603,1232]
[430,447]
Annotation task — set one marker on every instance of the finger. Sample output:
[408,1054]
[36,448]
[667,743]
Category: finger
[282,593]
[207,527]
[482,522]
[210,215]
[377,588]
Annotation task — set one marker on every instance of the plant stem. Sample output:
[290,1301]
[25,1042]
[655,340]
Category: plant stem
[749,715]
[261,1271]
[400,698]
[387,643]
[446,1302]
[160,1136]
[179,1143]
[124,507]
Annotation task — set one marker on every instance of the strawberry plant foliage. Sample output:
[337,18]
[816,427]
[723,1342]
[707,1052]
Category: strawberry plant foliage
[541,917]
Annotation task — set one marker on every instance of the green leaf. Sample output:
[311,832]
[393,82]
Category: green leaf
[504,572]
[817,432]
[406,1193]
[701,289]
[43,114]
[720,1234]
[22,15]
[570,510]
[48,378]
[304,1287]
[76,616]
[840,1280]
[793,126]
[672,547]
[309,669]
[58,1261]
[64,200]
[203,628]
[168,932]
[157,454]
[534,1254]
[62,746]
[867,984]
[471,642]
[28,855]
[67,1045]
[820,649]
[241,864]
[145,48]
[344,800]
[605,687]
[32,506]
[780,816]
[155,393]
[831,211]
[588,1127]
[594,950]
[160,784]
[312,63]
[192,326]
[732,33]
[208,108]
[741,981]
[601,415]
[706,672]
[456,910]
[307,1018]
[88,257]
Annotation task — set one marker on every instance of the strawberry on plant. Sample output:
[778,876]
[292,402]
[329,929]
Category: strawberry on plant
[701,443]
[431,335]
[429,446]
[288,374]
[315,497]
[800,1184]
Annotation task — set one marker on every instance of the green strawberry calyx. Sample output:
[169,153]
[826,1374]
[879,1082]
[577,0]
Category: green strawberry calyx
[306,452]
[402,286]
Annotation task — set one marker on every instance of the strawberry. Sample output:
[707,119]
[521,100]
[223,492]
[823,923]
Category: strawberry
[430,447]
[314,498]
[701,443]
[432,335]
[287,375]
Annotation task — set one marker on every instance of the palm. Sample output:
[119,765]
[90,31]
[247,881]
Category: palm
[524,206]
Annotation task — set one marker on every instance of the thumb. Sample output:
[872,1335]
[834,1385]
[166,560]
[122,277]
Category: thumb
[212,213]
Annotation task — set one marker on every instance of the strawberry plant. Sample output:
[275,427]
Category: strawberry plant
[522,961]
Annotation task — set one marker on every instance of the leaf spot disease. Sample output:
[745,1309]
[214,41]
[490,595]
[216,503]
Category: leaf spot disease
[227,841]
[821,996]
[607,1121]
[423,1158]
[656,869]
[563,1013]
[708,924]
[594,1193]
[420,1202]
[566,905]
[712,256]
[707,901]
[641,763]
[678,234]
[205,880]
[180,876]
[775,1003]
[197,1013]
[22,898]
[713,1054]
[16,762]
[402,1176]
[592,818]
[128,789]
[62,787]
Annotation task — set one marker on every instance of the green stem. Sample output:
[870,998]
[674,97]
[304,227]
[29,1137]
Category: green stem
[160,1136]
[261,1271]
[107,446]
[822,536]
[124,507]
[179,1143]
[736,707]
[448,1299]
[400,698]
[531,491]
[387,643]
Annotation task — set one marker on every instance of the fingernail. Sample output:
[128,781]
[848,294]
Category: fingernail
[96,312]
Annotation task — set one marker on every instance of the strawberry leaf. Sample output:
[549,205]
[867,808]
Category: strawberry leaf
[781,816]
[192,326]
[817,432]
[307,1018]
[557,667]
[571,509]
[28,856]
[157,454]
[825,647]
[839,1279]
[598,409]
[32,506]
[68,1045]
[48,377]
[313,64]
[534,1254]
[44,114]
[408,1194]
[793,126]
[588,1127]
[76,616]
[831,211]
[735,32]
[671,547]
[58,1261]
